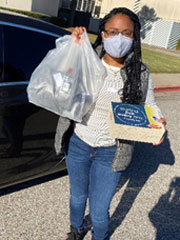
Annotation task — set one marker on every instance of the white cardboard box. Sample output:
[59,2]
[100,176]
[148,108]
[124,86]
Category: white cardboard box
[130,122]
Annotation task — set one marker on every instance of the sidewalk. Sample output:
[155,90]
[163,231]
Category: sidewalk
[166,82]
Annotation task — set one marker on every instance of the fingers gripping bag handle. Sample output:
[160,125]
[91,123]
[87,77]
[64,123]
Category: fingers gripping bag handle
[68,79]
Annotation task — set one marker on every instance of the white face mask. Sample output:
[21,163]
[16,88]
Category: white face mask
[118,46]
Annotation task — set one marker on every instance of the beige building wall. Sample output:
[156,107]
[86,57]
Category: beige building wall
[165,9]
[107,5]
[17,4]
[49,7]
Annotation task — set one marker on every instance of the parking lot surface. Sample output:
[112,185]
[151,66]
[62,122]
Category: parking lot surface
[146,205]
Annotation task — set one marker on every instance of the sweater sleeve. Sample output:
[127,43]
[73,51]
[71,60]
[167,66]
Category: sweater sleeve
[150,100]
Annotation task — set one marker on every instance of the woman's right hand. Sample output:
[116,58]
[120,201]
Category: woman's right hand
[78,32]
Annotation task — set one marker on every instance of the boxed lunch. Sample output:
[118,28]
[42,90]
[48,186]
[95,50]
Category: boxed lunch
[135,122]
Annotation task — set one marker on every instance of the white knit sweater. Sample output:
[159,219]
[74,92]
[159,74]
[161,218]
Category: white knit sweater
[94,128]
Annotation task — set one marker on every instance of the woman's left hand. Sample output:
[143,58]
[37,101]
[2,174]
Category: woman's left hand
[163,121]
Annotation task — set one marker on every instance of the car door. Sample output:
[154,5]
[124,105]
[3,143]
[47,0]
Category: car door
[26,131]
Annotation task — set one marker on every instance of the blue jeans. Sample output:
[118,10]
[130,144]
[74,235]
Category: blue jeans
[91,177]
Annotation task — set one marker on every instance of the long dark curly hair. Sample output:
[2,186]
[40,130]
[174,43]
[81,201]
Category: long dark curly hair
[132,92]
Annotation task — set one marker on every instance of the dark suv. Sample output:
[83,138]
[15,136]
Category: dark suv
[26,131]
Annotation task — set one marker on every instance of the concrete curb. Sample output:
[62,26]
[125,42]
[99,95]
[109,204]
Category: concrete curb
[167,88]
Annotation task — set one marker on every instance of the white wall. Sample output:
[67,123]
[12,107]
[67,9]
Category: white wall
[162,33]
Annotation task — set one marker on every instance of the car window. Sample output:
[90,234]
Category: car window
[24,49]
[26,131]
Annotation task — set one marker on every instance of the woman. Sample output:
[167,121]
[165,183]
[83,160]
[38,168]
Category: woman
[95,160]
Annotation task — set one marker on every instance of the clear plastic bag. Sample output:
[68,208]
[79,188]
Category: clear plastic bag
[69,78]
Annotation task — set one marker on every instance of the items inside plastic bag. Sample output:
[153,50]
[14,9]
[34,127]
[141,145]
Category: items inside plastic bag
[69,78]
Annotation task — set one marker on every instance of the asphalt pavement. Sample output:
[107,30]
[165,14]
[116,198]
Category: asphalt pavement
[146,205]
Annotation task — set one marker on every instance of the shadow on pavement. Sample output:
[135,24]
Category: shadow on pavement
[165,216]
[146,160]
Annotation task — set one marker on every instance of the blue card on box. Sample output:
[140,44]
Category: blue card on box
[130,114]
[135,123]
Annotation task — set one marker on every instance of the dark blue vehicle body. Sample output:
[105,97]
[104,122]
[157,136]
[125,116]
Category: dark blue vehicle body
[26,131]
